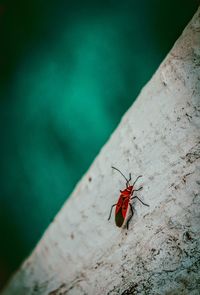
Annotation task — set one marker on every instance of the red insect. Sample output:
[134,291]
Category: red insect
[124,200]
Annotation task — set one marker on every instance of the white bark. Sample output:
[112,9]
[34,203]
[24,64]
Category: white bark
[82,252]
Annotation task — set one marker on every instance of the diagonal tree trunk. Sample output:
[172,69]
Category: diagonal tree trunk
[82,252]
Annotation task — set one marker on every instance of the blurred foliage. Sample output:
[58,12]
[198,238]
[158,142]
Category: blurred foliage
[68,71]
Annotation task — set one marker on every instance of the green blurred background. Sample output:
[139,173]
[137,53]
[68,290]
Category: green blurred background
[68,72]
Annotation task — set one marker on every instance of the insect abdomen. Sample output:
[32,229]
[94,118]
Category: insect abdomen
[119,219]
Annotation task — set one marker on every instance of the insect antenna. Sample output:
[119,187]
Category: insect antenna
[121,173]
[137,179]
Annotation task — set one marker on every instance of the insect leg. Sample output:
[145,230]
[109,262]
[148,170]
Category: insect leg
[129,177]
[128,181]
[111,211]
[135,197]
[130,216]
[136,190]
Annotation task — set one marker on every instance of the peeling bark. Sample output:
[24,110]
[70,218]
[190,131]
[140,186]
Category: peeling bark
[83,253]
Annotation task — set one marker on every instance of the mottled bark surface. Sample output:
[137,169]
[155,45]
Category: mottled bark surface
[83,253]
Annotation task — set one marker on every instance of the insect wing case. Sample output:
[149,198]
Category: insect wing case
[121,210]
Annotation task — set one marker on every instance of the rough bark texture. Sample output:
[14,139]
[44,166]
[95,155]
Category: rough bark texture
[84,253]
